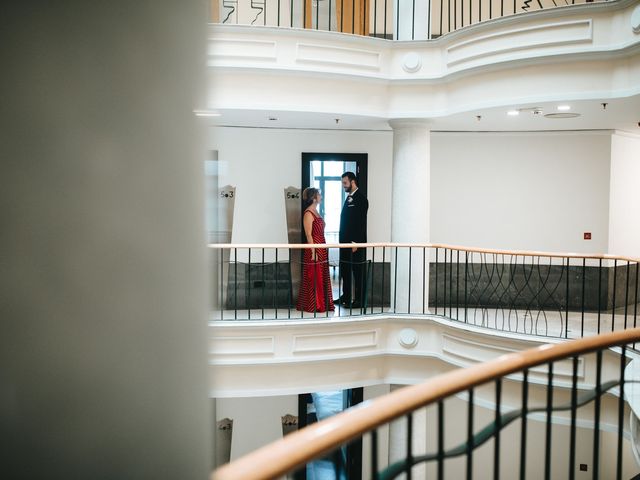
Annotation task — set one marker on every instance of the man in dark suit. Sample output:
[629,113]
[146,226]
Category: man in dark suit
[353,229]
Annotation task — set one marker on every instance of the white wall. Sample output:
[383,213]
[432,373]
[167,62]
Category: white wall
[262,162]
[624,208]
[537,191]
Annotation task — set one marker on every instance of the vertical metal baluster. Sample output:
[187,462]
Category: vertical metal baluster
[457,284]
[385,18]
[613,303]
[248,296]
[444,285]
[429,22]
[409,292]
[462,14]
[440,440]
[395,280]
[409,459]
[490,9]
[317,15]
[370,293]
[450,283]
[498,422]
[327,284]
[382,290]
[596,428]
[291,12]
[502,8]
[584,274]
[448,16]
[599,292]
[523,428]
[289,290]
[263,266]
[480,11]
[352,279]
[353,16]
[340,271]
[436,289]
[276,303]
[364,19]
[455,14]
[547,456]
[329,20]
[566,313]
[470,436]
[514,7]
[374,453]
[424,280]
[221,302]
[623,357]
[413,23]
[626,297]
[315,284]
[304,14]
[278,12]
[574,408]
[466,278]
[235,307]
[441,13]
[635,306]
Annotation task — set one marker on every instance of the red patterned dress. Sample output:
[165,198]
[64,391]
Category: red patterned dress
[315,286]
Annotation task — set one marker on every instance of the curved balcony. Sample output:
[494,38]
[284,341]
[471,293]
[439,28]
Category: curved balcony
[426,308]
[389,19]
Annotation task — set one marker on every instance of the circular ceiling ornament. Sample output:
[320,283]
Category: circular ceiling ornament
[412,62]
[408,337]
[562,115]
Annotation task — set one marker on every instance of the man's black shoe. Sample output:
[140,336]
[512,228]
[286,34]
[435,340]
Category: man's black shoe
[356,304]
[344,301]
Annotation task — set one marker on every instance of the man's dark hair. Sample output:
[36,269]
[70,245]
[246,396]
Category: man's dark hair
[351,176]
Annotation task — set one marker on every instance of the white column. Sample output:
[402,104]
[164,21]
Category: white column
[410,213]
[103,348]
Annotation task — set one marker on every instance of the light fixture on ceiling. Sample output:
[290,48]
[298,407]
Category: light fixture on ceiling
[513,113]
[206,113]
[273,119]
[562,115]
[563,108]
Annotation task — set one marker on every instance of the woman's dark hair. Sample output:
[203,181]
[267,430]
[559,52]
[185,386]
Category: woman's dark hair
[351,176]
[308,195]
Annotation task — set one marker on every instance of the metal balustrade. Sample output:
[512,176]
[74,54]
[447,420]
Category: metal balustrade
[389,19]
[564,384]
[536,293]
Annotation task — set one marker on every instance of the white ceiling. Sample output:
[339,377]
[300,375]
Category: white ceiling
[620,114]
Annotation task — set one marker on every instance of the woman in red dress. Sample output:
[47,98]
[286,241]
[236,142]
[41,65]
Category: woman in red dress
[315,287]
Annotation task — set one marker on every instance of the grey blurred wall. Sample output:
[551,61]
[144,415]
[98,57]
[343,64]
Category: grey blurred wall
[102,241]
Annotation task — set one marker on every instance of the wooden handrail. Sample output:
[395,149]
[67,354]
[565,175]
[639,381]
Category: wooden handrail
[524,253]
[298,448]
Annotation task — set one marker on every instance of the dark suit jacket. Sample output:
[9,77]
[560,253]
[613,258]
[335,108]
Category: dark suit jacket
[353,219]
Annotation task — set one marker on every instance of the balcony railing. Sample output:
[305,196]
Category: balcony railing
[390,19]
[563,384]
[548,294]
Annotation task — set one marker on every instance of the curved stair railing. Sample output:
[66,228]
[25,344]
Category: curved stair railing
[567,377]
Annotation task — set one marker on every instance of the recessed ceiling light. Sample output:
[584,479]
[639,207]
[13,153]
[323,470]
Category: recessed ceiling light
[563,108]
[513,113]
[272,119]
[562,115]
[206,113]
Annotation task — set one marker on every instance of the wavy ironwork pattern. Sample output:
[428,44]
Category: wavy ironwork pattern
[490,430]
